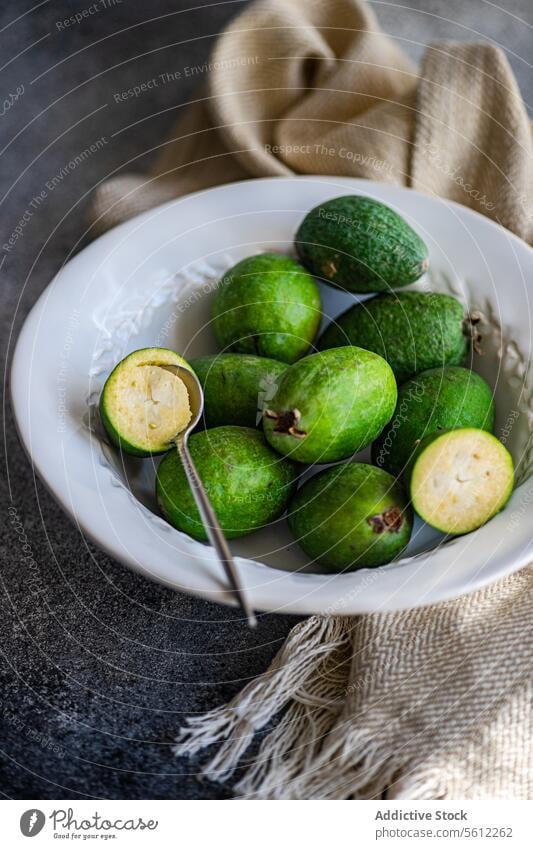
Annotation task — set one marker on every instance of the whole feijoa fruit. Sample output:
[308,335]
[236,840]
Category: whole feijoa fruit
[330,405]
[267,305]
[413,331]
[361,245]
[248,484]
[459,479]
[237,387]
[437,399]
[143,405]
[351,516]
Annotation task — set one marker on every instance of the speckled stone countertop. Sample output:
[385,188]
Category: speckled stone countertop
[99,666]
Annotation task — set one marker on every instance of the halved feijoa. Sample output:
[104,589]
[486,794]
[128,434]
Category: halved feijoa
[142,405]
[459,479]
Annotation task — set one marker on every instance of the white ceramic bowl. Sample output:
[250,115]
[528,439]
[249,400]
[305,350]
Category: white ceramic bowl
[148,281]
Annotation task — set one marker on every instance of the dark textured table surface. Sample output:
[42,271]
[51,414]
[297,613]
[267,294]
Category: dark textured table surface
[99,666]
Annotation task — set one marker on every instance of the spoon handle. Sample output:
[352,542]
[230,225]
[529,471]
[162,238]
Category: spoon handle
[213,529]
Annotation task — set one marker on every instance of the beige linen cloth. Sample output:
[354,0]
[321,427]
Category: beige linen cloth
[429,703]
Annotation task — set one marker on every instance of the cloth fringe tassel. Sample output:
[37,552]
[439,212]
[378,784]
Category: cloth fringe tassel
[309,754]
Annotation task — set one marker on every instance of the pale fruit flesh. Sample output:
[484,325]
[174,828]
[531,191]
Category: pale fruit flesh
[150,405]
[461,479]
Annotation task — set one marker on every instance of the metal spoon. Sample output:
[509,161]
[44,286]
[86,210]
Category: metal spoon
[208,516]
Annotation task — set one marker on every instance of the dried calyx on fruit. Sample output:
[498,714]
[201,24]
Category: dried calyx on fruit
[389,521]
[286,422]
[470,330]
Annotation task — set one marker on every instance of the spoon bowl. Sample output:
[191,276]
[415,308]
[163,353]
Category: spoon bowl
[195,393]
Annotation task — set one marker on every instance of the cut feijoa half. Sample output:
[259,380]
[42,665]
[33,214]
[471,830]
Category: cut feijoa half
[459,479]
[143,405]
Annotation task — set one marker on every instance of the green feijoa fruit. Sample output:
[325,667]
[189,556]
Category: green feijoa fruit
[142,405]
[413,331]
[248,484]
[267,305]
[459,479]
[361,245]
[351,516]
[330,405]
[237,387]
[437,399]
